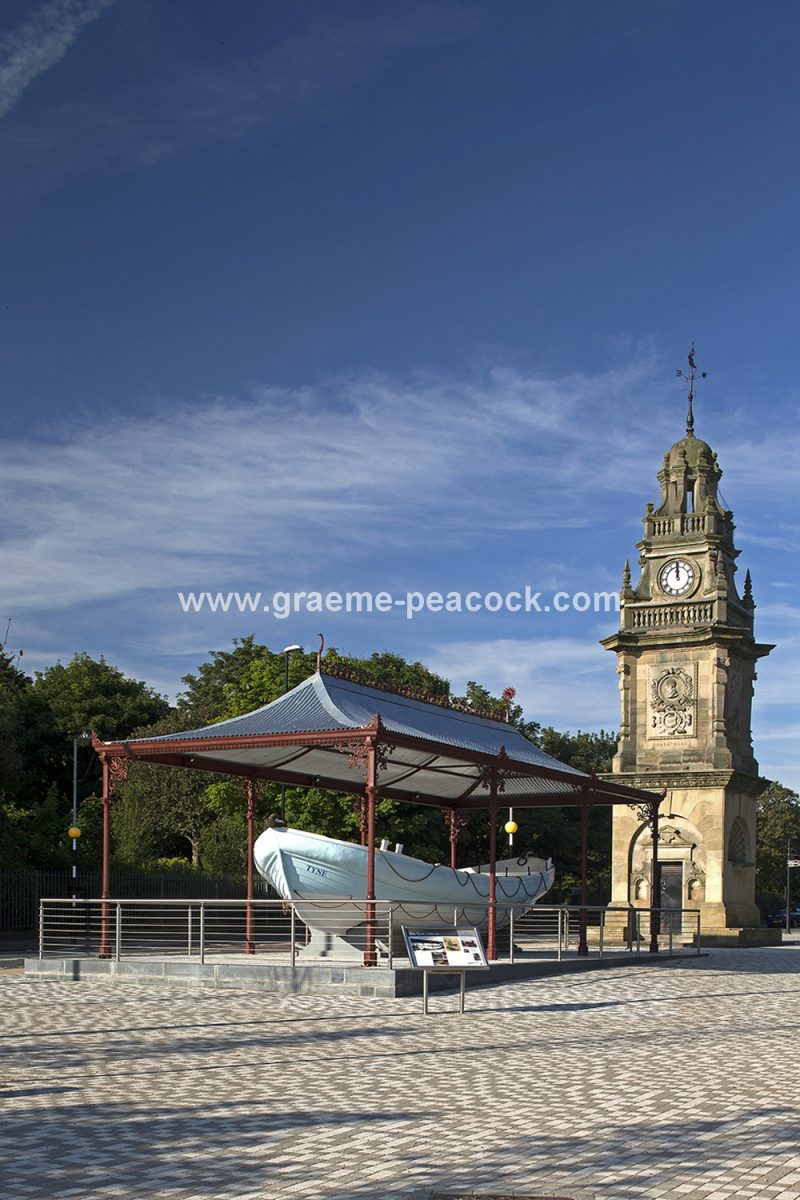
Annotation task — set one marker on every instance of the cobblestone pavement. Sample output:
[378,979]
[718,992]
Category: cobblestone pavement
[669,1081]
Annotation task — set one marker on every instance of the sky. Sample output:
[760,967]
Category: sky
[391,297]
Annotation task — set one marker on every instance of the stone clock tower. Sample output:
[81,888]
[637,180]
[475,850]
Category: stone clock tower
[686,664]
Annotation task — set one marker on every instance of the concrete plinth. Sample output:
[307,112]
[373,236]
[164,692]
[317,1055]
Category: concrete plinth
[320,979]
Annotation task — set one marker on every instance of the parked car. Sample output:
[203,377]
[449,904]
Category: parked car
[778,919]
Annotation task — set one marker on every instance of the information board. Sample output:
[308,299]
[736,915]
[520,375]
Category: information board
[448,949]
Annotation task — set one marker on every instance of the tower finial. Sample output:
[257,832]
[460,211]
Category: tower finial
[690,378]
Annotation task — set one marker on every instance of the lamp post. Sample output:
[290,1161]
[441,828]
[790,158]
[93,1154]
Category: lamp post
[73,831]
[287,652]
[792,860]
[511,828]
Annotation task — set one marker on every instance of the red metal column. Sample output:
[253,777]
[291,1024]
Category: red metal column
[451,818]
[105,802]
[583,944]
[249,944]
[370,957]
[491,940]
[655,880]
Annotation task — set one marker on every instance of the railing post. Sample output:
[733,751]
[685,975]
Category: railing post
[105,801]
[249,941]
[291,935]
[560,931]
[698,933]
[118,932]
[370,955]
[602,929]
[202,933]
[391,932]
[189,927]
[41,929]
[511,934]
[670,939]
[583,943]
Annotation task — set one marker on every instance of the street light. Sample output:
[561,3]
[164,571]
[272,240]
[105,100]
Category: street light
[81,736]
[288,651]
[792,860]
[511,828]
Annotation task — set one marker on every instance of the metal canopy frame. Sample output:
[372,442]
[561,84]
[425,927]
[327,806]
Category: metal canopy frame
[418,767]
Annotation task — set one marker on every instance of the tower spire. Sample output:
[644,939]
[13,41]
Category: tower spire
[690,378]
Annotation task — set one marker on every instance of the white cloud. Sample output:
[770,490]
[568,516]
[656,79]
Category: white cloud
[277,486]
[245,491]
[569,683]
[368,477]
[161,105]
[41,41]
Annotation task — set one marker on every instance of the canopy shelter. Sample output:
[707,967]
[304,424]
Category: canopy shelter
[345,736]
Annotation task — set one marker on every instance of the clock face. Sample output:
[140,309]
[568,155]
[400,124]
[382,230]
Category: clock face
[677,577]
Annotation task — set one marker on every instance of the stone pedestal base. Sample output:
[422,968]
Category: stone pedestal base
[617,932]
[743,936]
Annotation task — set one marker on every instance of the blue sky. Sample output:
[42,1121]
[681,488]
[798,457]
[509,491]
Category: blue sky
[390,296]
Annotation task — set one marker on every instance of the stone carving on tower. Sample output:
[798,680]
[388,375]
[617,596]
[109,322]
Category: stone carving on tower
[686,658]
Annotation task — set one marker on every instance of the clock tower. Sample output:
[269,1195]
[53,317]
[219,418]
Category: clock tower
[686,658]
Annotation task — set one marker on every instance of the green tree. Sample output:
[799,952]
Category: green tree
[37,720]
[32,827]
[778,827]
[89,693]
[161,811]
[214,691]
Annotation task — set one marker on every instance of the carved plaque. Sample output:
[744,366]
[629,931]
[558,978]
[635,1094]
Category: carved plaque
[672,701]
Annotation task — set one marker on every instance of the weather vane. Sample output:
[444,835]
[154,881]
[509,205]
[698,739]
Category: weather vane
[690,378]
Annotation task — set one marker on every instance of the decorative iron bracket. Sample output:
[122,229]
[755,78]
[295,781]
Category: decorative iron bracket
[117,772]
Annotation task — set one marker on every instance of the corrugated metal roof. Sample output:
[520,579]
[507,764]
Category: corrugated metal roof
[434,723]
[323,702]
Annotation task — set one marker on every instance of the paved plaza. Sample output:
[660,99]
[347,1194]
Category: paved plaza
[669,1081]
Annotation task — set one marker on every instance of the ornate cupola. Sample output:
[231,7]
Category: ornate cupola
[686,664]
[687,555]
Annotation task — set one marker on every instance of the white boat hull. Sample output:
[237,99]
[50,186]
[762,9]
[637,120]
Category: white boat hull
[316,871]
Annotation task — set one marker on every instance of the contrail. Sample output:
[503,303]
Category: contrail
[40,42]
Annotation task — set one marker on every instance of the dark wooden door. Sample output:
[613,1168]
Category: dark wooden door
[671,896]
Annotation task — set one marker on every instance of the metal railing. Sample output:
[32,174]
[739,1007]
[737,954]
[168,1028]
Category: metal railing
[21,890]
[344,930]
[606,928]
[197,929]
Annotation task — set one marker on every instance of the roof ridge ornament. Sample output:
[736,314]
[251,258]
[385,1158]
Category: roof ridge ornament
[351,674]
[690,378]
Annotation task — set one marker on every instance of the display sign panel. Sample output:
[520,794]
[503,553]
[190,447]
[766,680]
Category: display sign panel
[447,949]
